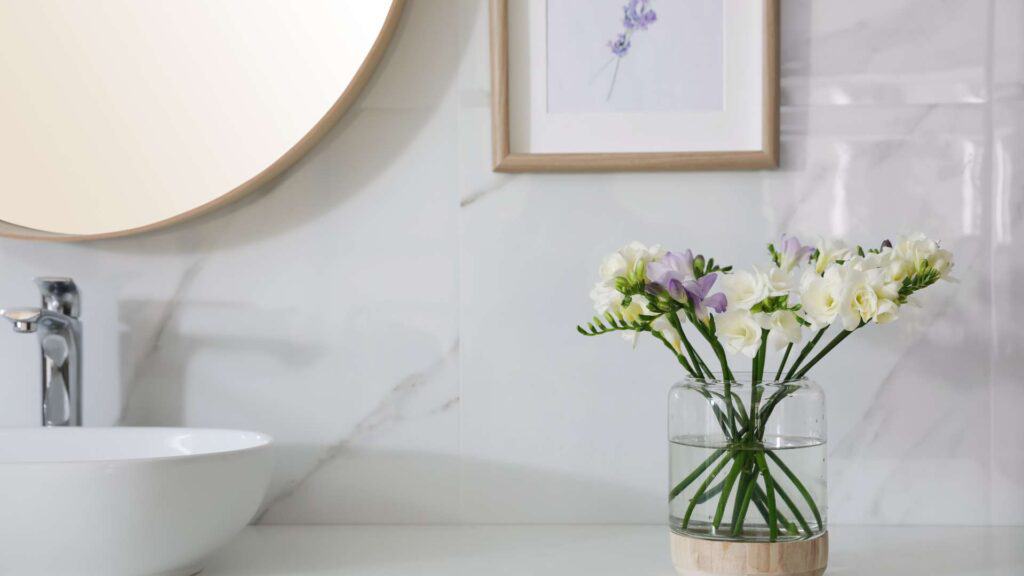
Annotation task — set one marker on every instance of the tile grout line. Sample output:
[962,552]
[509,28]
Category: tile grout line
[988,167]
[462,41]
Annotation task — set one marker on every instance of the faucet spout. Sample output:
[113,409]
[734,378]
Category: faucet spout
[25,320]
[60,340]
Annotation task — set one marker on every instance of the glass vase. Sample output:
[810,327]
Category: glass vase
[747,461]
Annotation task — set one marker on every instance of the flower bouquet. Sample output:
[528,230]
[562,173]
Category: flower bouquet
[747,448]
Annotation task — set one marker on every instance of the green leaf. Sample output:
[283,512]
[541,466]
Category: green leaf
[615,324]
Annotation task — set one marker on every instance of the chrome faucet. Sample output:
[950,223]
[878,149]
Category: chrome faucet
[60,336]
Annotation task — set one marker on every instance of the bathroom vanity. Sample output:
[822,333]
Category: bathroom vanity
[589,550]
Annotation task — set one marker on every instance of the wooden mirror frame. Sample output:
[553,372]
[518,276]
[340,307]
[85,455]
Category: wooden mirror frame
[300,148]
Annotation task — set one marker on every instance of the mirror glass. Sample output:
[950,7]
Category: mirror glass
[124,115]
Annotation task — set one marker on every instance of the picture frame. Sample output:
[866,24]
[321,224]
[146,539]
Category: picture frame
[756,112]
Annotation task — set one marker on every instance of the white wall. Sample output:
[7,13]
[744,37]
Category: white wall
[401,318]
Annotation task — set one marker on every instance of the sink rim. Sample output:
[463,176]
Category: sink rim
[251,441]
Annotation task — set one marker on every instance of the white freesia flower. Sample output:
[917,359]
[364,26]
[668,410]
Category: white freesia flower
[917,249]
[942,262]
[858,300]
[830,251]
[869,291]
[638,305]
[887,311]
[883,272]
[625,260]
[820,296]
[744,289]
[663,326]
[894,268]
[783,328]
[606,298]
[738,331]
[613,266]
[778,281]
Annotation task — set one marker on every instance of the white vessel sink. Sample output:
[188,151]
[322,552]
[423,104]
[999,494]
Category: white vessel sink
[125,501]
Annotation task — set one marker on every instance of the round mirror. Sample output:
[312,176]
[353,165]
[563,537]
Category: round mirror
[120,116]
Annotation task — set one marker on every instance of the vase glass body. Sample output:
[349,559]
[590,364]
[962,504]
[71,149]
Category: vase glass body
[747,461]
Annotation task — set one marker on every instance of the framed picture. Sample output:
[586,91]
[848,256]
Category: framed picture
[612,85]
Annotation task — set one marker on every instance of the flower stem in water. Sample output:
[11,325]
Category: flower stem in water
[695,474]
[704,486]
[799,486]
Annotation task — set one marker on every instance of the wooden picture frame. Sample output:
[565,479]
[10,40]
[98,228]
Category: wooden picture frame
[505,160]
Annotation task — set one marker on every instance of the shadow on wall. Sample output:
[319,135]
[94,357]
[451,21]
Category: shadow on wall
[378,486]
[153,392]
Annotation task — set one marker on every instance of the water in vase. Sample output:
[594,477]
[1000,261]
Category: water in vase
[721,491]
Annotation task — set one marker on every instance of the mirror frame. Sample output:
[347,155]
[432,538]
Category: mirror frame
[304,145]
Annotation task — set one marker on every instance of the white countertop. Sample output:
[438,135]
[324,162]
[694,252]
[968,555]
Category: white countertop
[589,550]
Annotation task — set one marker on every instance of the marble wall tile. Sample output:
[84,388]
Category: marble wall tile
[878,52]
[1007,233]
[1007,395]
[1007,50]
[914,409]
[402,319]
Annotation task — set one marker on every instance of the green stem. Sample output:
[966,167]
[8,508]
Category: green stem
[766,412]
[727,375]
[679,357]
[695,474]
[741,488]
[799,486]
[737,464]
[759,359]
[740,512]
[704,486]
[786,390]
[804,352]
[755,389]
[760,498]
[704,365]
[716,346]
[711,493]
[731,408]
[769,485]
[741,412]
[789,502]
[673,319]
[785,356]
[828,348]
[722,422]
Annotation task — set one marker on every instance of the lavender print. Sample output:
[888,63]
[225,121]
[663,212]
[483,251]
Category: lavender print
[620,46]
[637,16]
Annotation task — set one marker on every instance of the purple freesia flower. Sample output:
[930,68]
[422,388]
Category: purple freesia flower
[671,272]
[792,252]
[620,46]
[638,15]
[697,291]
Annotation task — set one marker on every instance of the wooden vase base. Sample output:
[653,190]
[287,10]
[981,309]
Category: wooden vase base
[698,557]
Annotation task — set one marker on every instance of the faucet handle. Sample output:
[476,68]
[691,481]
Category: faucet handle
[60,295]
